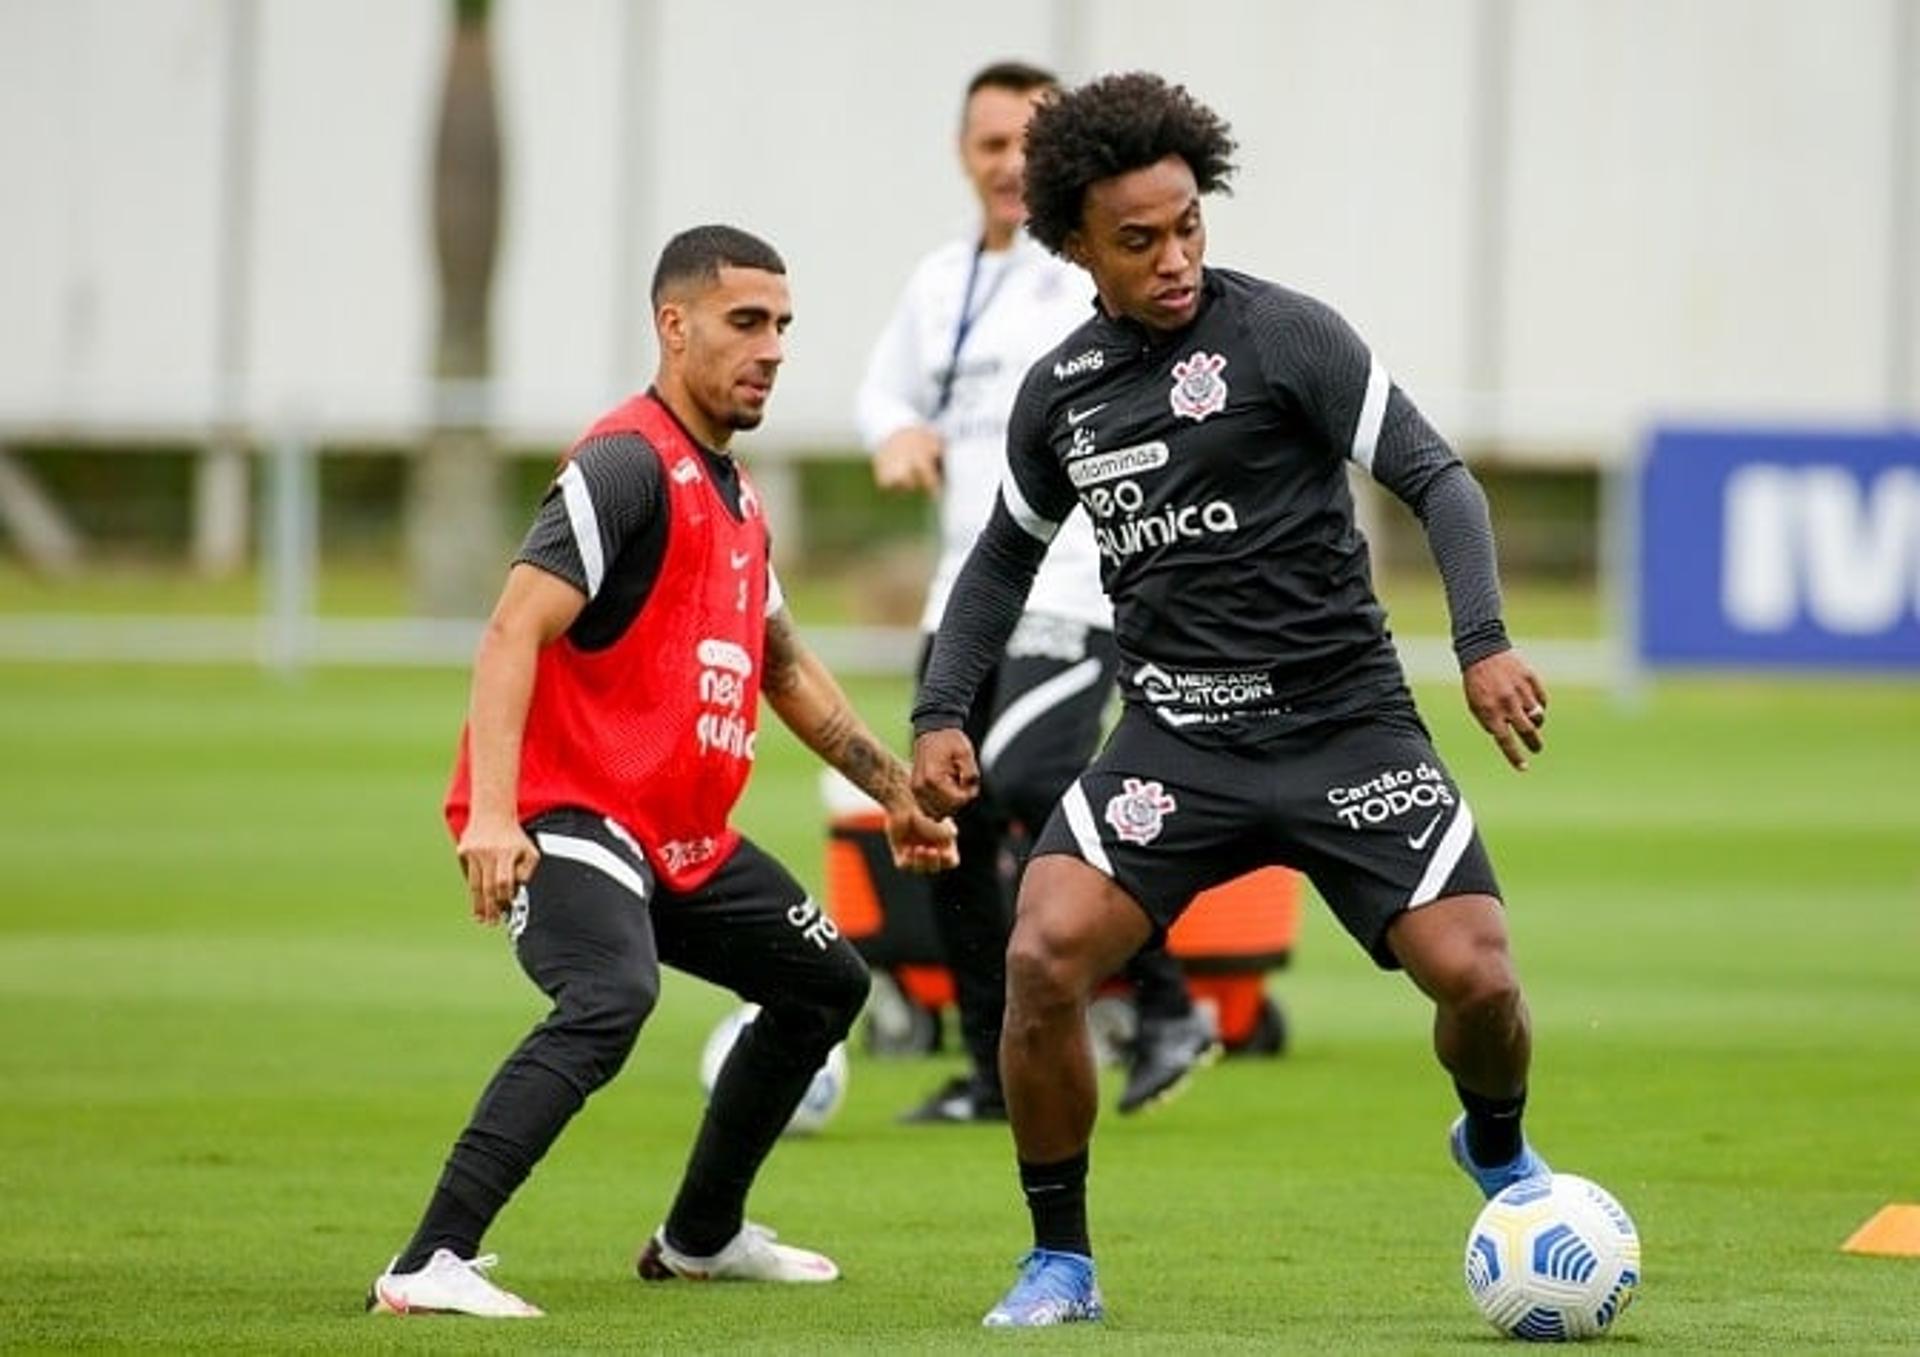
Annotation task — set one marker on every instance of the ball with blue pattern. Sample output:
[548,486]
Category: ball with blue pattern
[1553,1259]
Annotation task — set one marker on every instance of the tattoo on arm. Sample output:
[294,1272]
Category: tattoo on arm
[848,747]
[780,664]
[837,734]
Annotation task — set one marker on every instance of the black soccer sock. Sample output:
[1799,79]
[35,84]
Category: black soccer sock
[760,1084]
[1493,1126]
[1057,1200]
[521,1113]
[449,1223]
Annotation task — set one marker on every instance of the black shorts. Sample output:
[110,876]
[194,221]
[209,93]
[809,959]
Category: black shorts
[1364,808]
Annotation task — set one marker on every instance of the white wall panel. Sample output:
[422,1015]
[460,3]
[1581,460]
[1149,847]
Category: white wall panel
[1700,207]
[109,121]
[560,79]
[343,288]
[1353,135]
[829,128]
[1700,214]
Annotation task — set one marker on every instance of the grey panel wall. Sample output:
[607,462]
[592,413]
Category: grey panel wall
[1554,219]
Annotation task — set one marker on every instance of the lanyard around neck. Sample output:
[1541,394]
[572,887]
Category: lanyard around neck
[969,316]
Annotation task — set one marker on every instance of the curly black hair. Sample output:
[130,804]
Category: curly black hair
[1108,127]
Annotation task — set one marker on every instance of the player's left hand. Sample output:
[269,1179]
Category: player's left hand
[920,843]
[1510,702]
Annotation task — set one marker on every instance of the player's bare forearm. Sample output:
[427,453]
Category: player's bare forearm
[810,701]
[494,852]
[533,609]
[497,706]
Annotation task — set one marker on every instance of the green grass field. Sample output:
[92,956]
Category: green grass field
[244,1014]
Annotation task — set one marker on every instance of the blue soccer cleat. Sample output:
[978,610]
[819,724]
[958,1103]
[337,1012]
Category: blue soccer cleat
[1054,1288]
[1492,1181]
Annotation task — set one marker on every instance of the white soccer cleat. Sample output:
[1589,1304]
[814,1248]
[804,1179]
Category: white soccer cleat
[751,1256]
[447,1285]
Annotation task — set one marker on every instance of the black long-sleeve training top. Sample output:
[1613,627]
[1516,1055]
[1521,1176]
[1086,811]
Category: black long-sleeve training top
[1213,463]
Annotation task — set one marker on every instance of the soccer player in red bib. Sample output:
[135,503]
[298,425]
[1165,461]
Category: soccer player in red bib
[610,731]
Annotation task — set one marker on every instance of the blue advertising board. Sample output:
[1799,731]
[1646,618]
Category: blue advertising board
[1780,549]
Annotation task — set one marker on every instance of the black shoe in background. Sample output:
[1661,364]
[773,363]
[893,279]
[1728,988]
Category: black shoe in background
[1165,1055]
[962,1098]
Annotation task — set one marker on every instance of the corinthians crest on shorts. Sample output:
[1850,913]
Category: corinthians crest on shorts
[1198,388]
[1137,811]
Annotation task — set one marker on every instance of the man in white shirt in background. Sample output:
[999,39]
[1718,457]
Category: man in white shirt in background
[932,410]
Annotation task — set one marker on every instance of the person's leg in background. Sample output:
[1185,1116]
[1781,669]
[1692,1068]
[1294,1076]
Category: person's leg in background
[972,913]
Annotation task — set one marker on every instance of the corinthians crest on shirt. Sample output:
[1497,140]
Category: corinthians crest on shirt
[1198,388]
[1139,809]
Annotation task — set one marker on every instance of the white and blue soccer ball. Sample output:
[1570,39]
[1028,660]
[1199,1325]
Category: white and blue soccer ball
[1553,1259]
[824,1095]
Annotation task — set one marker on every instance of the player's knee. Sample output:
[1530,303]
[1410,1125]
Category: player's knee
[842,998]
[815,1021]
[1041,975]
[1484,990]
[606,1021]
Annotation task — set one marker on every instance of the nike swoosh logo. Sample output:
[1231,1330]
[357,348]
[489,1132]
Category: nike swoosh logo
[1078,417]
[739,559]
[1416,843]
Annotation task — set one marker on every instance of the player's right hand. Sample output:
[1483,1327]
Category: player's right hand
[497,857]
[945,776]
[909,460]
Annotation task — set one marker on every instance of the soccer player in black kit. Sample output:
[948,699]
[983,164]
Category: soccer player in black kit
[1205,419]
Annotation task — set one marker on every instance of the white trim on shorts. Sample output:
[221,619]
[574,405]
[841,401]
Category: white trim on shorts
[1446,856]
[1086,834]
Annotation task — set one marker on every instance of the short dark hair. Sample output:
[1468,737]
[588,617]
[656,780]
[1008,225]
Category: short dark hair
[1109,127]
[1017,76]
[700,252]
